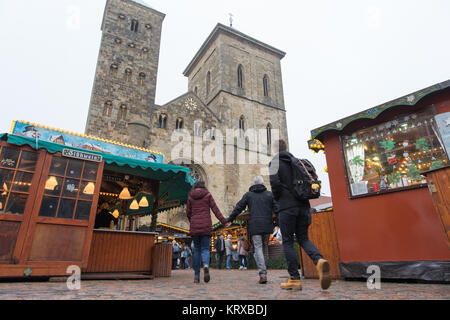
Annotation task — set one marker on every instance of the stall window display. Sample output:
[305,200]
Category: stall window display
[17,169]
[393,155]
[69,189]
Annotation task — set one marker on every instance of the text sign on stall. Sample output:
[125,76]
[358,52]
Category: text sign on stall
[81,155]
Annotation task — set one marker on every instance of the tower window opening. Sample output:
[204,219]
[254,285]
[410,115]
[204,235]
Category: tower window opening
[162,121]
[266,85]
[134,25]
[107,109]
[179,124]
[208,82]
[123,112]
[240,77]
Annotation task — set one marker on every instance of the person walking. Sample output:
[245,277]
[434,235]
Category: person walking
[261,205]
[220,250]
[175,254]
[199,204]
[242,254]
[229,251]
[294,218]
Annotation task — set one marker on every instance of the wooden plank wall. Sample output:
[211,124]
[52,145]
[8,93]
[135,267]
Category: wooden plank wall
[323,233]
[162,263]
[120,252]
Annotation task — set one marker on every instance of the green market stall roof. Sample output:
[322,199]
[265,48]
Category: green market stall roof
[176,181]
[372,113]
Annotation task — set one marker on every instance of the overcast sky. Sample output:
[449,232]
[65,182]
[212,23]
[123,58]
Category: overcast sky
[342,56]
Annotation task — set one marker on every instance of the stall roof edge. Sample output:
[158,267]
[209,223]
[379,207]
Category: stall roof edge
[372,113]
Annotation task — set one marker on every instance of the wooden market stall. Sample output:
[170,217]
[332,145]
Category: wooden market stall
[383,212]
[51,185]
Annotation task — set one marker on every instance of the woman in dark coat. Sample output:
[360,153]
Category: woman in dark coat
[198,207]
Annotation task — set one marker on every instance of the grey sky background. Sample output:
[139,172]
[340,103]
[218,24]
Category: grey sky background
[342,56]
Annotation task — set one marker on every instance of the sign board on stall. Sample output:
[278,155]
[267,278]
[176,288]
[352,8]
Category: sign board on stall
[78,141]
[81,155]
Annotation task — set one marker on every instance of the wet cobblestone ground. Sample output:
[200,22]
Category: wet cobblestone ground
[224,285]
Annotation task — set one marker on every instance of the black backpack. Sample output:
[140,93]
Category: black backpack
[303,178]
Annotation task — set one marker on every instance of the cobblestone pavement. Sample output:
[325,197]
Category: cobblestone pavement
[224,284]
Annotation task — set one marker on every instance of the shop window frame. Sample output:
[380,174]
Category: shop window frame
[342,136]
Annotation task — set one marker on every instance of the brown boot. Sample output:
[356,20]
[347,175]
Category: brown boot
[323,267]
[291,285]
[262,279]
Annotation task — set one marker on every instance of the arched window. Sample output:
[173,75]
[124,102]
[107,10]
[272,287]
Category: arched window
[213,133]
[142,78]
[196,90]
[179,124]
[128,74]
[269,137]
[241,126]
[162,122]
[240,77]
[198,129]
[134,25]
[107,109]
[208,82]
[266,85]
[123,112]
[113,68]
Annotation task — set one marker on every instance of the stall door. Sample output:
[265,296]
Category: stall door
[62,220]
[20,169]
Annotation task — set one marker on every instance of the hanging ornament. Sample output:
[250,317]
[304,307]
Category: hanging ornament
[405,154]
[405,143]
[392,159]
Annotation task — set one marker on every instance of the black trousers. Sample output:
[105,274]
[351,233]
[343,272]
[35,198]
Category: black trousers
[219,257]
[296,221]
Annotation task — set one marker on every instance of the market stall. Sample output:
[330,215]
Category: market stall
[55,186]
[383,211]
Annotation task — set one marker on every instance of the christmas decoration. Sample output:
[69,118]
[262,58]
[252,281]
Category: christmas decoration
[392,159]
[387,145]
[422,145]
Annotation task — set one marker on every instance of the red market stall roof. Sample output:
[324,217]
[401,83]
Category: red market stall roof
[372,113]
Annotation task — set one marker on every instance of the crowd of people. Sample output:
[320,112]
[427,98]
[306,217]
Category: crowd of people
[293,218]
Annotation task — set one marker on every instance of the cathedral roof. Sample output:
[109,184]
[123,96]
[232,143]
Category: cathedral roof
[220,28]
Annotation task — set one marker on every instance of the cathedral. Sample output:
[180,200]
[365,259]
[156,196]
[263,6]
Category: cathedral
[234,85]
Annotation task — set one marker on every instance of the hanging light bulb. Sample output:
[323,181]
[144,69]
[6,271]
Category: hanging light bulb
[134,205]
[1,206]
[125,194]
[51,183]
[115,213]
[89,189]
[144,202]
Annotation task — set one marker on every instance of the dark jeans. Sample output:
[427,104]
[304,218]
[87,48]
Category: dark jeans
[201,252]
[219,258]
[296,221]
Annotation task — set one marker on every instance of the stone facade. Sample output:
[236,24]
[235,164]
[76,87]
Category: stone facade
[219,98]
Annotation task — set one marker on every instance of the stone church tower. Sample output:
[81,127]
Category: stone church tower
[234,83]
[123,95]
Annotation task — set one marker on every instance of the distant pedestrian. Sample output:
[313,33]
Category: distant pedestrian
[261,206]
[229,251]
[185,254]
[220,251]
[175,254]
[198,207]
[242,254]
[294,218]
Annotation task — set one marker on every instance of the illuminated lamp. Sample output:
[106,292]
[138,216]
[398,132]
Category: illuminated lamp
[125,194]
[134,205]
[51,183]
[89,189]
[115,213]
[144,202]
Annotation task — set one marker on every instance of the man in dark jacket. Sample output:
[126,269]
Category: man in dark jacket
[294,218]
[220,250]
[261,204]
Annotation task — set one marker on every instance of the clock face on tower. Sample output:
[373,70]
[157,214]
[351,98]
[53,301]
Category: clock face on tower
[190,104]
